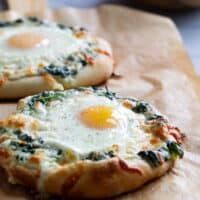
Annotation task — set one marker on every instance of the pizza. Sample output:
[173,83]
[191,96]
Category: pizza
[86,143]
[36,55]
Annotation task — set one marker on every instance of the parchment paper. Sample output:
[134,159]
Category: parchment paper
[151,64]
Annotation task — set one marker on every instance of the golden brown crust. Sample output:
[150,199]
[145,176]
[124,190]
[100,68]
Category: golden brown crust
[25,176]
[95,178]
[98,72]
[100,179]
[3,81]
[23,87]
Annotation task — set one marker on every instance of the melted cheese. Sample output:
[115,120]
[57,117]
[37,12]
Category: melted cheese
[92,133]
[29,46]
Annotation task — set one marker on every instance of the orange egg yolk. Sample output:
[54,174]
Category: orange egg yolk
[27,40]
[99,117]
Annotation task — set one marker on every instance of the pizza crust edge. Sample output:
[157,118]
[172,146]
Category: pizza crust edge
[88,179]
[95,74]
[92,180]
[105,179]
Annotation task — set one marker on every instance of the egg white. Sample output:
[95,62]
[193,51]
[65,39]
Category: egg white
[61,43]
[66,131]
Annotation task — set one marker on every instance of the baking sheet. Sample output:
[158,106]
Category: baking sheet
[151,63]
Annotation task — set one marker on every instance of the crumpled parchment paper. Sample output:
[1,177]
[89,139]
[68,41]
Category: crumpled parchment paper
[151,63]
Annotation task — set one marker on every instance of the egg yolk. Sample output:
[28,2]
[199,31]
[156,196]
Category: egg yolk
[27,40]
[99,117]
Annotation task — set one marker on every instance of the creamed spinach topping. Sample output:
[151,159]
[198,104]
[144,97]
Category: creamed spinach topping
[24,146]
[141,107]
[104,92]
[73,63]
[60,71]
[11,23]
[36,21]
[45,97]
[155,158]
[97,156]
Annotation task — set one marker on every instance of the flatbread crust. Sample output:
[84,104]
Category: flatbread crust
[101,180]
[95,72]
[89,177]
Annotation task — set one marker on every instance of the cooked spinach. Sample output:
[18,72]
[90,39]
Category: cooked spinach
[73,63]
[61,26]
[104,92]
[11,23]
[155,117]
[45,97]
[96,156]
[175,149]
[141,107]
[164,152]
[35,20]
[23,147]
[75,58]
[3,130]
[26,138]
[60,71]
[25,143]
[20,158]
[18,21]
[5,24]
[170,152]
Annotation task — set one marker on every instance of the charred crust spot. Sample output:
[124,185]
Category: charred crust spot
[128,104]
[126,168]
[89,60]
[34,159]
[4,153]
[25,177]
[176,133]
[70,183]
[103,52]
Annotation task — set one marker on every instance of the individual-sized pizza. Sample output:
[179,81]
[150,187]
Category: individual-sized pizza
[36,55]
[86,143]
